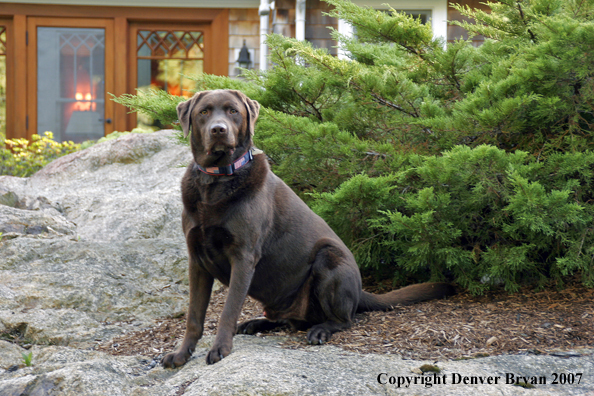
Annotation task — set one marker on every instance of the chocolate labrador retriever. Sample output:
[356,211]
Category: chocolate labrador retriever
[248,229]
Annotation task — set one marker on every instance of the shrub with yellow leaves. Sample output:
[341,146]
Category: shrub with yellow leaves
[21,157]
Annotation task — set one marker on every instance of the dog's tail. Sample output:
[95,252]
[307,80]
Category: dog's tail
[405,296]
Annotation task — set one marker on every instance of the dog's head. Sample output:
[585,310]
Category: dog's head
[221,123]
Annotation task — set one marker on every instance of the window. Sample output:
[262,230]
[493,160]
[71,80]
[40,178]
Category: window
[424,15]
[71,82]
[164,58]
[348,30]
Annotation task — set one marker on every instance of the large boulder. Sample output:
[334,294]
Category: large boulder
[93,239]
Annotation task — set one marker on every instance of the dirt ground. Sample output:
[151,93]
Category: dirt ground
[462,326]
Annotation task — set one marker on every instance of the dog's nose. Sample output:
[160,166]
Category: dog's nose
[218,129]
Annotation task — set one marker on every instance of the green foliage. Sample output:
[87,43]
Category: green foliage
[27,357]
[154,102]
[482,215]
[21,157]
[434,160]
[537,91]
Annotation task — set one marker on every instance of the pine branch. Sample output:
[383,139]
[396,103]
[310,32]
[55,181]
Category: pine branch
[532,36]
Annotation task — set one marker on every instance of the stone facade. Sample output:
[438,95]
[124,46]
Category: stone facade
[244,25]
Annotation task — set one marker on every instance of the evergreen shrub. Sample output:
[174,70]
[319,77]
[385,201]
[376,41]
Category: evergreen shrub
[479,215]
[436,160]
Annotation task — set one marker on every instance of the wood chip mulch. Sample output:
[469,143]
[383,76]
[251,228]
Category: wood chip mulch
[462,326]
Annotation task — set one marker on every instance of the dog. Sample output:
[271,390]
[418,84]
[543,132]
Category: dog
[245,227]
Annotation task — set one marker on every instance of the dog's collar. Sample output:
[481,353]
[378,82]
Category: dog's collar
[227,170]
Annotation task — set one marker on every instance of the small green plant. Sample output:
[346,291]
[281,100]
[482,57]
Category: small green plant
[21,157]
[525,385]
[27,357]
[430,368]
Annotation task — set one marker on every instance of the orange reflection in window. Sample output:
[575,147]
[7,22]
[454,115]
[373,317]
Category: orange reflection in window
[83,102]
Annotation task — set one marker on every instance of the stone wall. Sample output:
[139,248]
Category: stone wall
[244,25]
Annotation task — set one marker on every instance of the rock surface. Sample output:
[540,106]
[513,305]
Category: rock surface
[259,366]
[92,247]
[92,239]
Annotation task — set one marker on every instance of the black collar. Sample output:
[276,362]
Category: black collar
[227,170]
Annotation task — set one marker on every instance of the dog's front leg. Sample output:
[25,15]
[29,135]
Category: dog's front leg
[200,290]
[241,277]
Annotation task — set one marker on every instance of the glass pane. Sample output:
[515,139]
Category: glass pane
[167,75]
[164,58]
[71,83]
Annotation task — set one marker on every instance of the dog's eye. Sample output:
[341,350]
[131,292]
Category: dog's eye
[204,112]
[232,111]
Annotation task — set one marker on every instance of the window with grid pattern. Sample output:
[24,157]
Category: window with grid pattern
[165,59]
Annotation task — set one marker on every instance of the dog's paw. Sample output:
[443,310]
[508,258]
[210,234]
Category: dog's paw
[177,358]
[318,335]
[217,353]
[252,327]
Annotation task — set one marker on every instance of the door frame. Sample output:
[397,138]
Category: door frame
[32,24]
[10,108]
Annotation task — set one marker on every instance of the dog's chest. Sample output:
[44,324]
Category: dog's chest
[211,240]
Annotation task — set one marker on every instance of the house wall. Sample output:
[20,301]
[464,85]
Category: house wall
[456,32]
[244,25]
[21,65]
[316,27]
[283,18]
[234,22]
[148,3]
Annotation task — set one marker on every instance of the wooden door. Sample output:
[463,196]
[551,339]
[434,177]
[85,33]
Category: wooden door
[70,75]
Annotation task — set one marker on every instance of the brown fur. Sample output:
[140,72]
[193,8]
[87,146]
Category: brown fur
[251,231]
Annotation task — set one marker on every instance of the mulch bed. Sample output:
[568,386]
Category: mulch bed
[462,326]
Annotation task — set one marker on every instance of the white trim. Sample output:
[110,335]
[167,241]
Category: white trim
[300,20]
[264,11]
[148,3]
[346,29]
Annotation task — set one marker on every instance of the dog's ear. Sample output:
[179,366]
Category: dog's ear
[184,112]
[253,110]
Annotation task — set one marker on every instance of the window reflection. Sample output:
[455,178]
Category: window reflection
[165,58]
